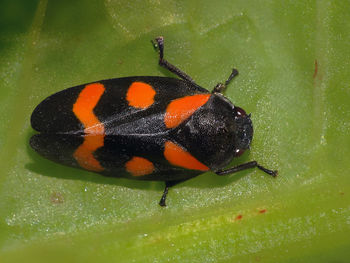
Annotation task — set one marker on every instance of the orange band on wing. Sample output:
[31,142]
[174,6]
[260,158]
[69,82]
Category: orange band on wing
[180,157]
[93,128]
[84,154]
[180,109]
[139,166]
[84,106]
[140,95]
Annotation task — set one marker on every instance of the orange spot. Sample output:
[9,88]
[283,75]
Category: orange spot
[262,211]
[180,109]
[140,95]
[239,217]
[93,128]
[139,166]
[180,157]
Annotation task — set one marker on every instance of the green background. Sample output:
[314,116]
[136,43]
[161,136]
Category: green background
[301,117]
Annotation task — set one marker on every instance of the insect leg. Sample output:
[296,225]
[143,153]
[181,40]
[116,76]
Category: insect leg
[158,43]
[220,87]
[245,166]
[168,184]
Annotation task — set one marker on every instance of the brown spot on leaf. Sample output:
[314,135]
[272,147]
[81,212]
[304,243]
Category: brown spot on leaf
[56,198]
[316,69]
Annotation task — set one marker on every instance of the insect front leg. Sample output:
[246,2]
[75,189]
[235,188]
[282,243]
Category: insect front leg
[220,87]
[158,43]
[245,166]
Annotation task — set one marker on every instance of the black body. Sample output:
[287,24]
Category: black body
[209,134]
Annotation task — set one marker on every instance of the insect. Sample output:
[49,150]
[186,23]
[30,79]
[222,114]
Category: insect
[145,128]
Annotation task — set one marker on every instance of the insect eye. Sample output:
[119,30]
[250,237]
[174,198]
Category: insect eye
[240,112]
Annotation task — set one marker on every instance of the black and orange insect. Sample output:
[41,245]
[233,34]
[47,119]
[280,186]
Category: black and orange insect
[144,128]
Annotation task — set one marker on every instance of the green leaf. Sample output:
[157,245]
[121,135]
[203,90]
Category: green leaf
[294,61]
